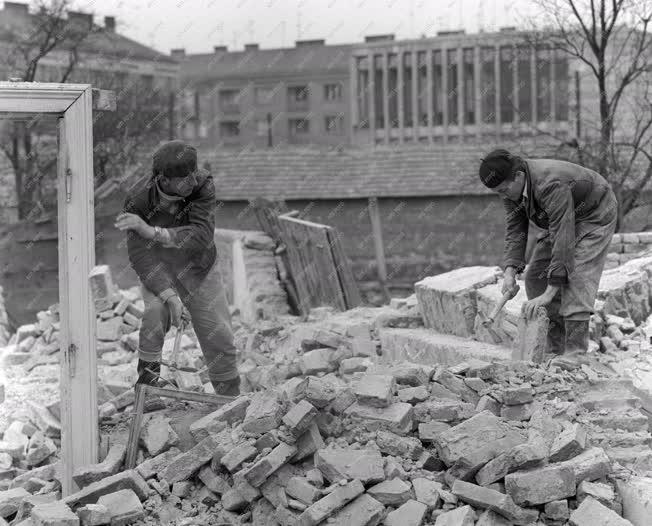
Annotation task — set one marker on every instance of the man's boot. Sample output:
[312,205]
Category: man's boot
[576,344]
[148,372]
[227,387]
[556,336]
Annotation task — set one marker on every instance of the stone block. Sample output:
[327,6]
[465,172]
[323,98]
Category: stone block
[625,290]
[183,466]
[427,492]
[532,343]
[329,504]
[523,456]
[394,492]
[86,475]
[396,418]
[129,479]
[363,511]
[263,414]
[591,513]
[101,282]
[301,489]
[342,401]
[153,466]
[308,443]
[423,346]
[124,505]
[299,417]
[636,495]
[570,443]
[317,391]
[238,455]
[413,395]
[557,510]
[412,513]
[365,465]
[522,394]
[488,403]
[214,482]
[375,390]
[398,446]
[487,498]
[44,420]
[317,361]
[263,468]
[54,514]
[10,501]
[94,515]
[428,431]
[217,420]
[239,496]
[462,516]
[477,440]
[355,364]
[539,486]
[591,464]
[443,411]
[448,302]
[157,435]
[405,373]
[109,330]
[456,384]
[520,412]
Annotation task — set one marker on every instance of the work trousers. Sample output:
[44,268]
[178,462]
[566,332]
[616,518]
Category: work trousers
[209,313]
[574,301]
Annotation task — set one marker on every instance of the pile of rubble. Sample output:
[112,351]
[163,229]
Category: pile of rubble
[362,418]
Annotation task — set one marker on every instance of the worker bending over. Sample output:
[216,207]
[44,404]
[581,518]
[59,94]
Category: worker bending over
[171,223]
[577,210]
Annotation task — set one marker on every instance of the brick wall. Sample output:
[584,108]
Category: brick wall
[628,246]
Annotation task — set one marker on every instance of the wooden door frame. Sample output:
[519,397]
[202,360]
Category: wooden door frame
[73,105]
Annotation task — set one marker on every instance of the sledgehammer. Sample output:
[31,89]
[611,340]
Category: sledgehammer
[506,297]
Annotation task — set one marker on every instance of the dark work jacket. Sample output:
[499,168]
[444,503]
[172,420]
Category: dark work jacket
[560,196]
[191,228]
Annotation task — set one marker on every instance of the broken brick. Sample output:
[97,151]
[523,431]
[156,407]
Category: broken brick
[396,418]
[392,492]
[539,486]
[299,417]
[326,506]
[398,446]
[263,468]
[591,513]
[365,465]
[570,443]
[363,511]
[411,513]
[463,516]
[124,505]
[375,390]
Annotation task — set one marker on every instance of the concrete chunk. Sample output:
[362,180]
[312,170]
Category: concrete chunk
[557,510]
[217,420]
[214,482]
[491,518]
[129,479]
[187,464]
[365,465]
[411,513]
[10,501]
[396,418]
[636,496]
[539,486]
[398,446]
[570,443]
[299,417]
[299,488]
[523,456]
[124,506]
[157,435]
[463,516]
[522,394]
[263,414]
[308,443]
[317,361]
[258,473]
[109,466]
[375,390]
[591,464]
[53,514]
[94,515]
[238,456]
[591,513]
[153,466]
[443,411]
[393,492]
[332,502]
[363,511]
[429,431]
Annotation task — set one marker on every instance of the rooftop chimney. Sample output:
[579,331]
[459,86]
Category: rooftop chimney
[449,33]
[178,53]
[315,42]
[379,38]
[84,20]
[109,24]
[251,47]
[218,49]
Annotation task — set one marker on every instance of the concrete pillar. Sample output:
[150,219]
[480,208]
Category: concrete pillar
[497,87]
[353,96]
[429,95]
[444,83]
[399,85]
[533,88]
[385,96]
[460,90]
[477,92]
[415,100]
[371,89]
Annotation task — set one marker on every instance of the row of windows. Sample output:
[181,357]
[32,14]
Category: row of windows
[333,125]
[509,83]
[229,99]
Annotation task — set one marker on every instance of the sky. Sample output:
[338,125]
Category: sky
[198,25]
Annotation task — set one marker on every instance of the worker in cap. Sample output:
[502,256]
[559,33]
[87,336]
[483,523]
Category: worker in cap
[170,219]
[576,209]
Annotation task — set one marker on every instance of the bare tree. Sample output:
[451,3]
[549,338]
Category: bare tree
[48,30]
[611,40]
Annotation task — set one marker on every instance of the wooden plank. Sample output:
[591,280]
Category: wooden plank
[38,97]
[136,424]
[345,274]
[377,232]
[78,382]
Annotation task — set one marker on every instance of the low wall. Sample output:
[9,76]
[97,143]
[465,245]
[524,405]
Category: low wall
[627,246]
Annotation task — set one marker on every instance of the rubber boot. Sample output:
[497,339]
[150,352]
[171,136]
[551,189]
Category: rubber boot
[556,337]
[148,372]
[576,345]
[227,387]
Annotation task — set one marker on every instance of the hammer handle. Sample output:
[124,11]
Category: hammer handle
[506,297]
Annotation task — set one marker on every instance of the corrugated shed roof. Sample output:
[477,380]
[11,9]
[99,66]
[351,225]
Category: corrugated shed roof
[302,60]
[304,173]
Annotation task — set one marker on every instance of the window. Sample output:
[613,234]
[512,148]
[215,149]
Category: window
[229,128]
[362,83]
[229,99]
[334,124]
[437,89]
[262,127]
[392,86]
[422,88]
[407,89]
[469,86]
[543,84]
[488,84]
[561,86]
[506,85]
[298,95]
[264,95]
[299,126]
[452,88]
[524,88]
[333,92]
[378,91]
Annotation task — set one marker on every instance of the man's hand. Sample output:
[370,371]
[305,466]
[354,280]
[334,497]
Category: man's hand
[530,308]
[509,282]
[175,307]
[127,221]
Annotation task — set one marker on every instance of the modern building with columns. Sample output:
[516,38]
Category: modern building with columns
[455,87]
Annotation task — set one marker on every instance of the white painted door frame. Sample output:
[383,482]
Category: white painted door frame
[73,105]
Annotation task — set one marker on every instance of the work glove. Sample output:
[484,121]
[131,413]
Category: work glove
[175,307]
